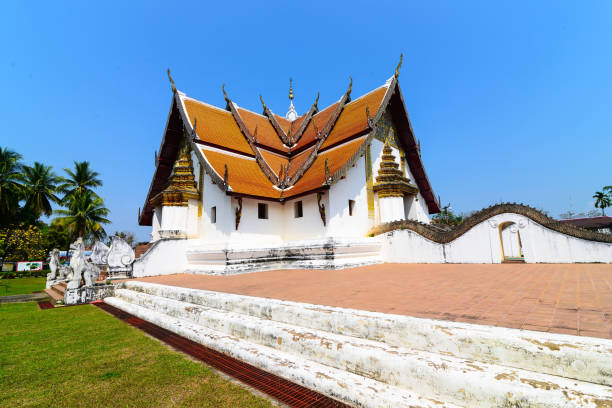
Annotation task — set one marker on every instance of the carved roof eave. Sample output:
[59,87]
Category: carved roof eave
[341,172]
[329,125]
[265,168]
[146,215]
[297,135]
[286,139]
[192,135]
[413,155]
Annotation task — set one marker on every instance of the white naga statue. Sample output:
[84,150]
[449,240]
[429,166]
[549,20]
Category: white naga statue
[54,264]
[81,269]
[120,258]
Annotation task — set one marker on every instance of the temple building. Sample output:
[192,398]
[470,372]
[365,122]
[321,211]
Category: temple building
[236,190]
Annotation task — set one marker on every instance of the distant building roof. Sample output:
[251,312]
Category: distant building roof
[590,222]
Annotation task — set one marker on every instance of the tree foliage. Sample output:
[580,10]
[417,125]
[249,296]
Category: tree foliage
[24,243]
[29,192]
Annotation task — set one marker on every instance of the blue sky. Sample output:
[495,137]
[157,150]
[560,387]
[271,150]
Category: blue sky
[511,101]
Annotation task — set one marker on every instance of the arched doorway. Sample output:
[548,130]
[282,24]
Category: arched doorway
[511,245]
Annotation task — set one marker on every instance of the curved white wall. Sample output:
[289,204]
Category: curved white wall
[482,244]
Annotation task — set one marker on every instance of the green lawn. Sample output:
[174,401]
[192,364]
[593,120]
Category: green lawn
[83,357]
[19,286]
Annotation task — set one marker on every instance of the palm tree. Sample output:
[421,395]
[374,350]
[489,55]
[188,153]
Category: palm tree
[602,200]
[83,179]
[39,186]
[10,189]
[84,215]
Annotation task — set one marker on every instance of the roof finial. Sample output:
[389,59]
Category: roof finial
[399,65]
[291,114]
[171,81]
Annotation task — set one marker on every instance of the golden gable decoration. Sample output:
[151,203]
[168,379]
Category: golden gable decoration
[390,181]
[182,185]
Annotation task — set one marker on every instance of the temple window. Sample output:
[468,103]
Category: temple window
[262,211]
[351,206]
[297,210]
[213,215]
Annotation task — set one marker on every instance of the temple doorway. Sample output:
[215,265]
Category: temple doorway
[511,245]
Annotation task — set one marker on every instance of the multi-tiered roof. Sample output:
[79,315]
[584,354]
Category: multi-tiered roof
[269,157]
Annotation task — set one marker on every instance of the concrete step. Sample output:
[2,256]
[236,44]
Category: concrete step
[580,358]
[54,295]
[442,377]
[341,385]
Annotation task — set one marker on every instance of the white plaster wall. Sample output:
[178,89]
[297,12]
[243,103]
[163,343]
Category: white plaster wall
[165,257]
[482,244]
[307,227]
[156,224]
[174,218]
[213,196]
[352,187]
[391,208]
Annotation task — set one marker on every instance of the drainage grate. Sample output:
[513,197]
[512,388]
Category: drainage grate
[283,390]
[44,305]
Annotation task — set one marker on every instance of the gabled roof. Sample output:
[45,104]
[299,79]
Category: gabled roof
[269,157]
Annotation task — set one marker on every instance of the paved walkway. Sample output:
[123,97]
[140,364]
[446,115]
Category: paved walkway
[562,298]
[29,297]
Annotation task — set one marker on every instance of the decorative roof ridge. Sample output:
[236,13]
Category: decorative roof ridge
[297,135]
[322,136]
[373,124]
[277,127]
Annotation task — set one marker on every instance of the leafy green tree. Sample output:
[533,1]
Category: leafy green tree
[84,216]
[82,179]
[603,201]
[10,187]
[40,185]
[447,217]
[55,235]
[126,236]
[24,243]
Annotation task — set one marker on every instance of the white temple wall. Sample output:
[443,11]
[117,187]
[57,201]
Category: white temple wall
[156,224]
[309,225]
[482,244]
[391,208]
[213,196]
[174,218]
[352,187]
[254,230]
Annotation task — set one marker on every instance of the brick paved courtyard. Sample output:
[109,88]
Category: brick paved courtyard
[561,298]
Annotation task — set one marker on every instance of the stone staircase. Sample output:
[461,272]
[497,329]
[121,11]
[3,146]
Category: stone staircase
[368,359]
[56,292]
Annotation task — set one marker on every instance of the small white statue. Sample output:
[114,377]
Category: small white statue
[77,263]
[54,264]
[91,273]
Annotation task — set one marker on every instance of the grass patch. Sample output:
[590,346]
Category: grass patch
[83,357]
[22,286]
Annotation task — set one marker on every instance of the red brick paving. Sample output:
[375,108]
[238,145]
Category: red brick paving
[557,298]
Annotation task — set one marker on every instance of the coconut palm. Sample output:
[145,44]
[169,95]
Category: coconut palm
[82,179]
[84,215]
[602,200]
[10,188]
[40,184]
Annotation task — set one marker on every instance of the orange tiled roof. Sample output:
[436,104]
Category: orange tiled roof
[235,140]
[254,159]
[244,174]
[216,126]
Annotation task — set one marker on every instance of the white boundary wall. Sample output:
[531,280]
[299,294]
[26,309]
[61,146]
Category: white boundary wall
[482,244]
